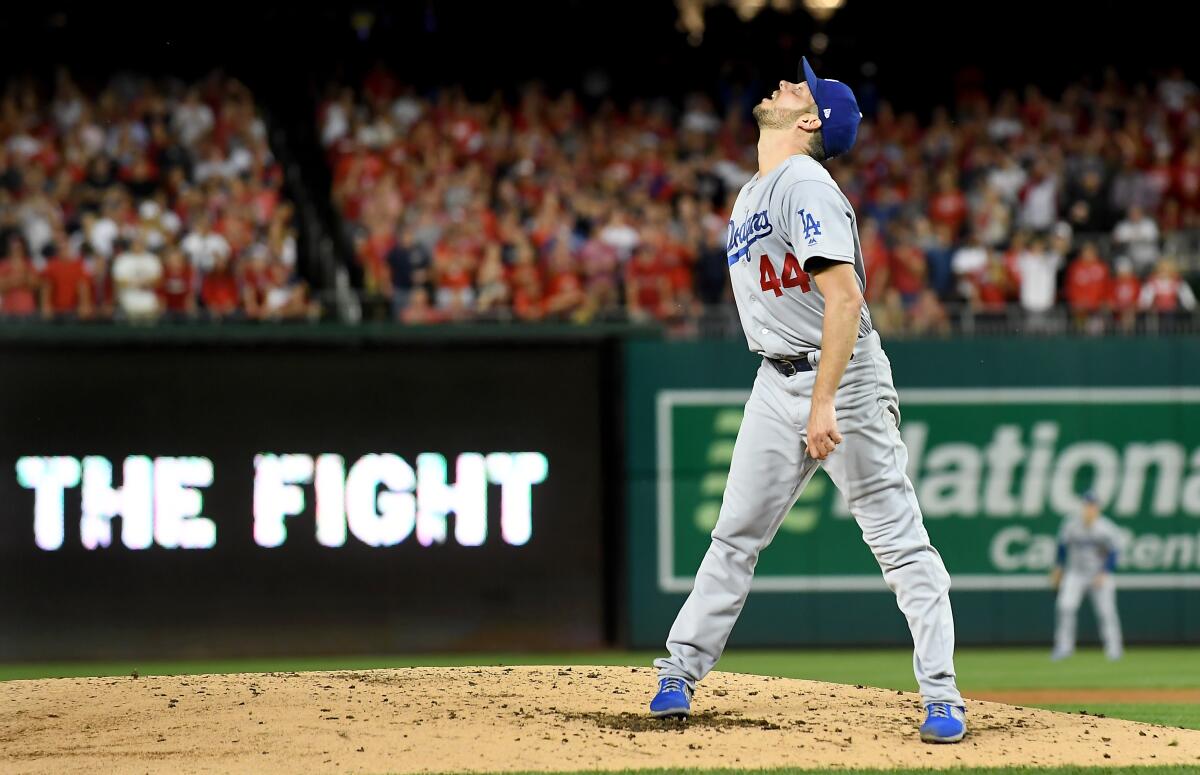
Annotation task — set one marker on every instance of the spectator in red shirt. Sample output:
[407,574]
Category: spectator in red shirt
[876,260]
[18,282]
[1126,291]
[373,250]
[1187,180]
[992,286]
[103,287]
[564,292]
[419,310]
[646,285]
[908,268]
[66,288]
[177,286]
[1089,284]
[219,291]
[1165,292]
[525,272]
[254,281]
[681,300]
[529,301]
[454,283]
[948,205]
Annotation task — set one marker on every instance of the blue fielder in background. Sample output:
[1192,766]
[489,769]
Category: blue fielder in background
[1087,558]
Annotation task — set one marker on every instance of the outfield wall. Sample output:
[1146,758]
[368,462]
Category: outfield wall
[1003,436]
[220,491]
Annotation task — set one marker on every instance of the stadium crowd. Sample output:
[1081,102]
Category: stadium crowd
[144,201]
[1035,211]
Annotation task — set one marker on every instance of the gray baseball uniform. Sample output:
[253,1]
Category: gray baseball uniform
[1086,552]
[780,222]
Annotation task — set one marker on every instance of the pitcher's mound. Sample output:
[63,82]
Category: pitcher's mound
[522,718]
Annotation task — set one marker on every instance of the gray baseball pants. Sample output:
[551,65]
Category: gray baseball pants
[1104,602]
[770,467]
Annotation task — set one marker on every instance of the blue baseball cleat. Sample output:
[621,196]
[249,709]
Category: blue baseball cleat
[674,698]
[944,723]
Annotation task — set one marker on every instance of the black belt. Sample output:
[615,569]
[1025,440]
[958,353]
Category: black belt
[790,367]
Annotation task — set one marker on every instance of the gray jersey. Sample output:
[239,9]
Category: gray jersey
[1088,547]
[779,223]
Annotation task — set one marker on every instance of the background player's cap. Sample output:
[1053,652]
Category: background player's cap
[1089,496]
[839,111]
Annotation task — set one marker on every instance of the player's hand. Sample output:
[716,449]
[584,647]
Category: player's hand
[1100,579]
[822,430]
[1056,577]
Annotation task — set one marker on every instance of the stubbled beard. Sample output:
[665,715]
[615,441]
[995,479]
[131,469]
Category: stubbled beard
[776,118]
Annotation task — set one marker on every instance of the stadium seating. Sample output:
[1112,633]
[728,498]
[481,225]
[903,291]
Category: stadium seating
[145,200]
[981,218]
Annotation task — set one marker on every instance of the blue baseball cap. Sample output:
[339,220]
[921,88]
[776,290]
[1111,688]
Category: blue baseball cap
[1089,496]
[839,111]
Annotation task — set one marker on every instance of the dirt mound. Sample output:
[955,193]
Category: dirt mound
[527,718]
[640,722]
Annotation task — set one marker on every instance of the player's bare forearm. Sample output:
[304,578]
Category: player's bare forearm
[843,306]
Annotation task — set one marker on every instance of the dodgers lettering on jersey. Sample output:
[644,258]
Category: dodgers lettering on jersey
[779,223]
[750,231]
[1088,546]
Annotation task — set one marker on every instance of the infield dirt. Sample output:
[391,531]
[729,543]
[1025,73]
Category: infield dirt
[522,718]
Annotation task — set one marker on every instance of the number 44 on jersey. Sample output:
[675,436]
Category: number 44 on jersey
[793,275]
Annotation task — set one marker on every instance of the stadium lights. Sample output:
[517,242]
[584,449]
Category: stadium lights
[691,12]
[823,10]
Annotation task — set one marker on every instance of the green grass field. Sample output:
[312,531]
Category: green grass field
[980,671]
[1167,770]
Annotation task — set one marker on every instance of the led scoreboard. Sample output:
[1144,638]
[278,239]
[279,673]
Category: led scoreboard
[173,499]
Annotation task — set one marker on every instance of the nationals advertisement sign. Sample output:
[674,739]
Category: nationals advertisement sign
[995,472]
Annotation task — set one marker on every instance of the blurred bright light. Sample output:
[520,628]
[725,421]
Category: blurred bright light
[747,9]
[691,19]
[823,10]
[691,12]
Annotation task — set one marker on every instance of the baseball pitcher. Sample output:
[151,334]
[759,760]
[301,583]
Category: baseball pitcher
[823,396]
[1087,559]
